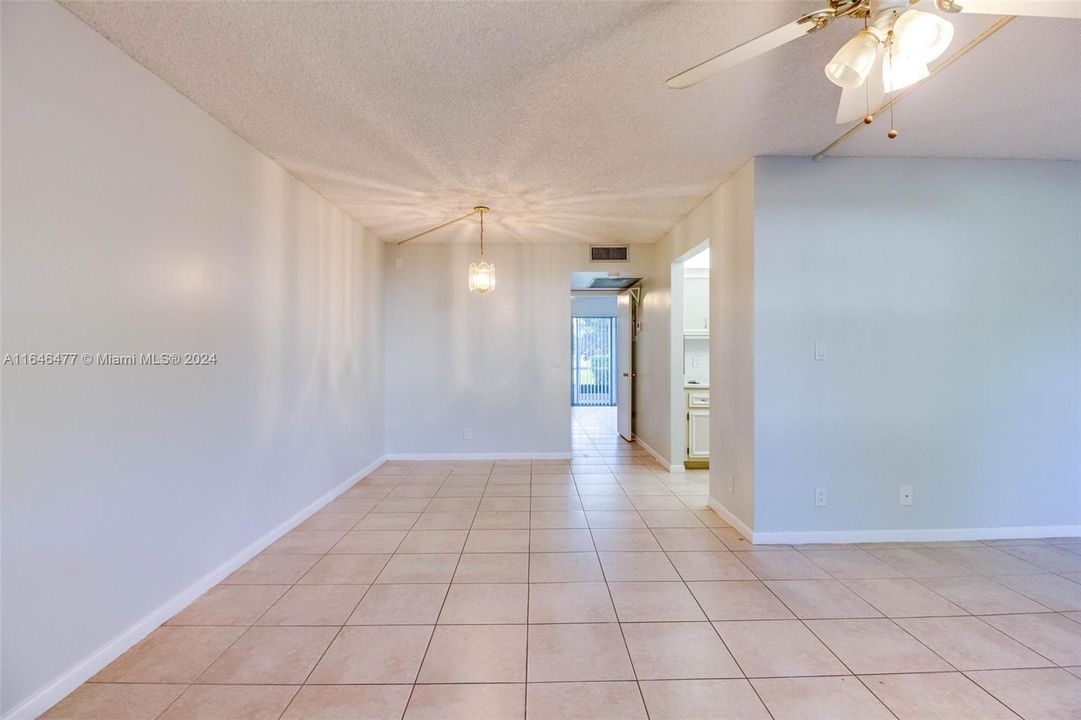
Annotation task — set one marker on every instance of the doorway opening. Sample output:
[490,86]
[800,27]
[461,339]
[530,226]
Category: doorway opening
[593,370]
[601,356]
[690,391]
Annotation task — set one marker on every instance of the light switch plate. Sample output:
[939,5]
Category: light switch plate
[820,351]
[906,495]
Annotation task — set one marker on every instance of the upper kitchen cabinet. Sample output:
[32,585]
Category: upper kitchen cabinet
[696,301]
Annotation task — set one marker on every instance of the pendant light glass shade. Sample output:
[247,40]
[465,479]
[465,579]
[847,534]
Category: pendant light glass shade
[922,36]
[852,63]
[900,71]
[481,277]
[481,274]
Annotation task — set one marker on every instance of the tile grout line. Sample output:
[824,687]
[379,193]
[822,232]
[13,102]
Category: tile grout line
[528,594]
[450,584]
[611,599]
[713,626]
[249,627]
[359,600]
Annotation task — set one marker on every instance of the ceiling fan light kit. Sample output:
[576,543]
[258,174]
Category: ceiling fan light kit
[852,63]
[890,53]
[900,70]
[902,41]
[922,36]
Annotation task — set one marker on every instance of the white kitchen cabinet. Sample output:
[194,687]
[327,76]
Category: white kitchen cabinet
[696,302]
[698,434]
[697,427]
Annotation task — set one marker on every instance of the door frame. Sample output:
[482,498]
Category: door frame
[678,408]
[625,319]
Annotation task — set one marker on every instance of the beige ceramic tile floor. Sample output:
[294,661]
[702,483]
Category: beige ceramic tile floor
[601,588]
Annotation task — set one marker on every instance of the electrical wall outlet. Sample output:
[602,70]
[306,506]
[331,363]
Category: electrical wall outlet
[731,482]
[467,433]
[906,494]
[820,497]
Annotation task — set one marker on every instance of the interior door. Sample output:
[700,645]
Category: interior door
[624,360]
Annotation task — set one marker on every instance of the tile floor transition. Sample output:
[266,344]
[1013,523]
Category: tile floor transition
[601,588]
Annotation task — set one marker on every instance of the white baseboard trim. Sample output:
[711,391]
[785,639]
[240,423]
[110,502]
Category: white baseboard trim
[659,458]
[63,685]
[481,456]
[840,537]
[914,535]
[730,517]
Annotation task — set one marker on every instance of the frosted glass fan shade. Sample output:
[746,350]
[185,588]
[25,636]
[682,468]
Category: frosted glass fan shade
[922,36]
[850,66]
[900,71]
[481,277]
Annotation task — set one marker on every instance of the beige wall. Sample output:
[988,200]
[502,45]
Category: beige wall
[498,363]
[133,222]
[725,219]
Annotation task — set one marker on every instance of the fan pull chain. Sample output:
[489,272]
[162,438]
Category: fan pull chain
[868,118]
[893,92]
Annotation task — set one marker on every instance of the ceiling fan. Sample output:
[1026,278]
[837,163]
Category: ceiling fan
[890,52]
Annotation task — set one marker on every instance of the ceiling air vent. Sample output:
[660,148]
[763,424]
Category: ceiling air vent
[609,253]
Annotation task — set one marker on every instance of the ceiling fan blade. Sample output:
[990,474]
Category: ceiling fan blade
[858,102]
[1033,8]
[751,49]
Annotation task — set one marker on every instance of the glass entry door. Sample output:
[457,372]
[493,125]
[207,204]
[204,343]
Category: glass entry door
[593,369]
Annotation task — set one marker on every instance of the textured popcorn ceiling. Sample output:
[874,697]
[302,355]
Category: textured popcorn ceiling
[406,114]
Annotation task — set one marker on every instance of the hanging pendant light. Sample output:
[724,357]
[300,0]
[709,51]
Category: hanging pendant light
[481,274]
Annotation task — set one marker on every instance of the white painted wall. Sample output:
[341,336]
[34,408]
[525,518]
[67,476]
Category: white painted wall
[133,222]
[725,219]
[654,358]
[696,360]
[593,305]
[499,363]
[732,371]
[949,300]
